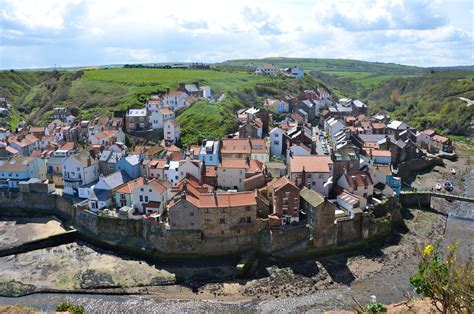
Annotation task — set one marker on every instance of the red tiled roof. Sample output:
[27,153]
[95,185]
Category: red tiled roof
[378,125]
[174,93]
[311,163]
[281,182]
[440,139]
[358,178]
[429,132]
[127,188]
[252,166]
[236,145]
[165,111]
[219,200]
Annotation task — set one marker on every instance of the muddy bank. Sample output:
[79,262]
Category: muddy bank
[18,230]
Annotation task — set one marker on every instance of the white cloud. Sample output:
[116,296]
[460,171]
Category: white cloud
[37,14]
[82,32]
[379,14]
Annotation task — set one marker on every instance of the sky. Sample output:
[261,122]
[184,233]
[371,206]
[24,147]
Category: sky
[47,33]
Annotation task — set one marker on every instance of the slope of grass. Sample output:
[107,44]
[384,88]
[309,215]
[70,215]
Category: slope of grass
[205,120]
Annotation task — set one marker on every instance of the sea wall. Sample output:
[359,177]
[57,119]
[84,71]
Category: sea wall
[149,236]
[39,203]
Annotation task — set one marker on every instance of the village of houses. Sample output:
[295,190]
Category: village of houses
[325,151]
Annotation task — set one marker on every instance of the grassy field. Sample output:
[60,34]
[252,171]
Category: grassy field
[220,81]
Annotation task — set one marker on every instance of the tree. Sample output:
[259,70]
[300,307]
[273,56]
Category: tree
[445,279]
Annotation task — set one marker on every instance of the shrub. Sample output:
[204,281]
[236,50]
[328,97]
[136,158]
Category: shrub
[68,306]
[375,307]
[445,279]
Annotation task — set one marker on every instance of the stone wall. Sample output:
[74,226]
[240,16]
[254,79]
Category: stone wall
[408,168]
[40,203]
[283,238]
[416,199]
[138,234]
[349,230]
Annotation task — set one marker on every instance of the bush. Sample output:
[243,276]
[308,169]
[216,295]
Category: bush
[446,280]
[375,307]
[68,306]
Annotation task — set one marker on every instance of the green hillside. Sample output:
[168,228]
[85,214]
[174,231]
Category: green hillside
[358,74]
[431,101]
[422,97]
[35,94]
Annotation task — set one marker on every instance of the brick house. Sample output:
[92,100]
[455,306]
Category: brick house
[285,200]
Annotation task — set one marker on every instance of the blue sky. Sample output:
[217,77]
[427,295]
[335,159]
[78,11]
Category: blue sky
[93,32]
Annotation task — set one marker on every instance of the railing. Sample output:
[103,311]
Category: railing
[446,196]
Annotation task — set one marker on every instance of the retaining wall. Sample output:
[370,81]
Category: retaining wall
[407,168]
[416,199]
[149,236]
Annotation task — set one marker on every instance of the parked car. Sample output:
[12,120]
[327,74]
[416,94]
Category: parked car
[438,186]
[448,185]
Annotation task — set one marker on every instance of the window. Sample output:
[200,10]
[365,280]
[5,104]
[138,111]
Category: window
[141,198]
[146,199]
[242,220]
[141,189]
[276,142]
[285,201]
[248,220]
[248,208]
[222,221]
[206,210]
[191,214]
[224,210]
[210,158]
[149,190]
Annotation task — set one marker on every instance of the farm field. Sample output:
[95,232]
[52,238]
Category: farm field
[220,81]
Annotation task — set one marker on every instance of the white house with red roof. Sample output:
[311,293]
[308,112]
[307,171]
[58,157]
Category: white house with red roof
[175,100]
[159,116]
[359,183]
[313,172]
[151,196]
[171,131]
